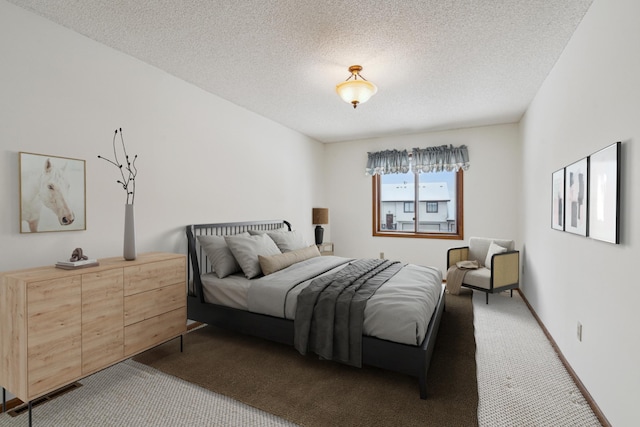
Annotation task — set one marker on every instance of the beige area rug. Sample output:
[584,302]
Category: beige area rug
[310,392]
[526,385]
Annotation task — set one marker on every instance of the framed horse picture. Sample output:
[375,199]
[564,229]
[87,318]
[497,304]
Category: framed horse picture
[52,193]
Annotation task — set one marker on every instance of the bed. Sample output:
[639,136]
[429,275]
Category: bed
[266,305]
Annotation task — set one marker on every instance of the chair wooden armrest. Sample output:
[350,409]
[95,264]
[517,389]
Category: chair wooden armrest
[505,268]
[457,254]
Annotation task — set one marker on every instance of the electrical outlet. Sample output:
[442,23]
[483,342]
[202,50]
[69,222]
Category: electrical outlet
[579,331]
[381,255]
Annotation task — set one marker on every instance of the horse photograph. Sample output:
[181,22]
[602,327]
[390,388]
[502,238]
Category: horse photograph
[52,193]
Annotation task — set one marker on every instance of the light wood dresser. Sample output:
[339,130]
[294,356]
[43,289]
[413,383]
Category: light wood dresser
[58,326]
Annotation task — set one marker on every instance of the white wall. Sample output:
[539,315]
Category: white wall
[201,158]
[204,159]
[491,193]
[591,99]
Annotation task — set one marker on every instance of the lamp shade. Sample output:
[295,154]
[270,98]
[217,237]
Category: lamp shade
[320,216]
[356,91]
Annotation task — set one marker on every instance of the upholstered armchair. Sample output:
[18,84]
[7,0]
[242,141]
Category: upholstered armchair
[499,264]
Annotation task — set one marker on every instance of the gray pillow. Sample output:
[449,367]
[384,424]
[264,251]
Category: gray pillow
[246,249]
[219,254]
[286,240]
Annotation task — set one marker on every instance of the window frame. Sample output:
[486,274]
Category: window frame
[377,231]
[435,210]
[413,207]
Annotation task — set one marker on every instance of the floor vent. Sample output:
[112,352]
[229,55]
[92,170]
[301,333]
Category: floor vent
[39,401]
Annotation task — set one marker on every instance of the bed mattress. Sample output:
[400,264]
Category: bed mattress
[399,311]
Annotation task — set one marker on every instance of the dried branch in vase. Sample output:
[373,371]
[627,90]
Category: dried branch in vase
[128,170]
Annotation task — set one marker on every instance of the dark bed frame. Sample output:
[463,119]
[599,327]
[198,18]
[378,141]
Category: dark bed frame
[402,358]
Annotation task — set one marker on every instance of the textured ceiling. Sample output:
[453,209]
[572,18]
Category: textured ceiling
[438,64]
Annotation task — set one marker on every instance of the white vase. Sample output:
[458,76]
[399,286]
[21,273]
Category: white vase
[129,247]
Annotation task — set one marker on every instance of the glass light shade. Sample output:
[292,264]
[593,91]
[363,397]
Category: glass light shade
[356,91]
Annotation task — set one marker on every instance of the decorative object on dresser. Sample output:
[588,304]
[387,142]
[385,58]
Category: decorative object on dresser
[59,326]
[54,183]
[128,172]
[320,216]
[265,305]
[78,260]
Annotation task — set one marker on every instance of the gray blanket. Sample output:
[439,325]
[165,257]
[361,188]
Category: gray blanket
[330,311]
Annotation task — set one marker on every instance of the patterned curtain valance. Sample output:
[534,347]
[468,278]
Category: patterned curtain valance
[421,160]
[388,161]
[438,159]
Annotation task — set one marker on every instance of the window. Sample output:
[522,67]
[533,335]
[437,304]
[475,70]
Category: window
[438,196]
[408,207]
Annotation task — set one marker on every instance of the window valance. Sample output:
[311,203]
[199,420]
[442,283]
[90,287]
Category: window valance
[439,159]
[420,160]
[387,161]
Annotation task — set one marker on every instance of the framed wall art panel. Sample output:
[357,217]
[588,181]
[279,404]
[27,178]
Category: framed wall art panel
[604,194]
[557,200]
[576,193]
[52,193]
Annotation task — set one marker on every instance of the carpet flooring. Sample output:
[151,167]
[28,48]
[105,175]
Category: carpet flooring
[526,385]
[310,392]
[131,394]
[521,382]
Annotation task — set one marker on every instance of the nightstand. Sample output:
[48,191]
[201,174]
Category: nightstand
[325,248]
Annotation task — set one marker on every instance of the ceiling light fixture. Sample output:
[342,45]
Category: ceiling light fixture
[356,91]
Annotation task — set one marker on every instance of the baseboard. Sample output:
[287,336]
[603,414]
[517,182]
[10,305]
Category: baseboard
[594,407]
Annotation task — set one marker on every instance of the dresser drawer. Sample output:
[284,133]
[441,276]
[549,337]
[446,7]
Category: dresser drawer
[151,332]
[54,340]
[153,275]
[102,312]
[145,305]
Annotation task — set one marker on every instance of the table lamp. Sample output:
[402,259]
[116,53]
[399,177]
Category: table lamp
[320,216]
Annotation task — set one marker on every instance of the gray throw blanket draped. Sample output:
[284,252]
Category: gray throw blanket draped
[456,273]
[330,311]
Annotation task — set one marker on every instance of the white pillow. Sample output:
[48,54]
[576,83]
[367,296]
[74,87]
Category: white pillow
[273,263]
[493,250]
[246,249]
[219,255]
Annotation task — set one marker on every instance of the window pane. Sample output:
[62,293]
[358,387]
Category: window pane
[396,190]
[428,205]
[437,202]
[408,207]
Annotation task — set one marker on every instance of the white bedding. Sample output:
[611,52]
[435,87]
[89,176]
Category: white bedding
[399,311]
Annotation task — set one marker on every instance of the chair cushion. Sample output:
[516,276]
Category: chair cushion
[479,247]
[480,278]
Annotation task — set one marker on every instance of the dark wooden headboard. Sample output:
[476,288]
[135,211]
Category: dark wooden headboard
[197,259]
